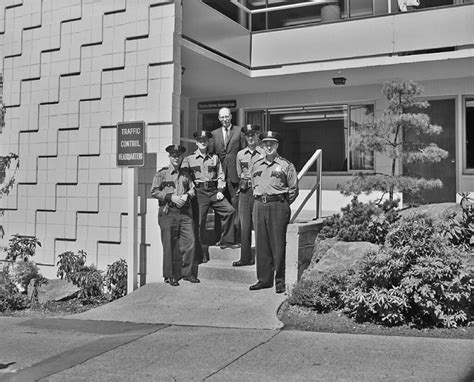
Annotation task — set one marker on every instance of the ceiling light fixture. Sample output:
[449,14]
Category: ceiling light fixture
[339,80]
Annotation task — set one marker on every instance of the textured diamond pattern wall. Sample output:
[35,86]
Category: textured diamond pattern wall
[72,70]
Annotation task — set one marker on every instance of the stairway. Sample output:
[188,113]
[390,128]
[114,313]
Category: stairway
[219,267]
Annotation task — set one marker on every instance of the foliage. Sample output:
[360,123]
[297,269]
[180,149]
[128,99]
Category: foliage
[360,222]
[5,163]
[322,295]
[69,264]
[387,136]
[116,279]
[22,272]
[86,277]
[11,298]
[417,278]
[22,247]
[460,232]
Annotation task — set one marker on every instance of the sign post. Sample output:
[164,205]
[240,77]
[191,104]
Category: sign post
[131,154]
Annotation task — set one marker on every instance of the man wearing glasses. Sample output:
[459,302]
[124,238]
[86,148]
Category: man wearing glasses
[226,142]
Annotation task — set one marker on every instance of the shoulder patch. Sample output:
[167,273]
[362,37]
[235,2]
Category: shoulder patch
[163,168]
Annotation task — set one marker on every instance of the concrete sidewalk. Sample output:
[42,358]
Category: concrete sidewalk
[213,331]
[213,303]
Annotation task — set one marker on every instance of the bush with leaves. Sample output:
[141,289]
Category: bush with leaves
[11,298]
[116,279]
[86,277]
[22,247]
[322,295]
[460,231]
[361,222]
[22,272]
[418,278]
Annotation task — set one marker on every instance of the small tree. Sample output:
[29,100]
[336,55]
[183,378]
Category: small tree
[388,136]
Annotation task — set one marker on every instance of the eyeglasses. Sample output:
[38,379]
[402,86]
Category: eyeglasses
[224,117]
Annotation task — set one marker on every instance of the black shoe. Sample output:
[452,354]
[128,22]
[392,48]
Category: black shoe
[231,246]
[259,285]
[204,260]
[242,263]
[167,280]
[280,289]
[173,282]
[192,279]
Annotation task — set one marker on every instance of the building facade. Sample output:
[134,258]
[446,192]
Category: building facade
[311,70]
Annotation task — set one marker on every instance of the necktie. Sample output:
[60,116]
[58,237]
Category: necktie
[226,135]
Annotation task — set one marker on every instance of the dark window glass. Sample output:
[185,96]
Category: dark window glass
[306,130]
[470,133]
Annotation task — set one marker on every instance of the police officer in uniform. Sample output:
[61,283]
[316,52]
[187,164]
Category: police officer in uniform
[245,158]
[208,177]
[275,187]
[173,187]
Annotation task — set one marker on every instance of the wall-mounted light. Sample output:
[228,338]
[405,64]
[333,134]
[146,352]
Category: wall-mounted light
[183,69]
[339,80]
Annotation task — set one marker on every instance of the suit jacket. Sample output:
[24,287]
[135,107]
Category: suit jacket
[228,153]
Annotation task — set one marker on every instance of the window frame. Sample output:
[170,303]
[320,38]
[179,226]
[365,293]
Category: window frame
[465,169]
[266,112]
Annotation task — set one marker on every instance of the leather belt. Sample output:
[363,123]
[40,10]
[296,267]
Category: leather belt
[173,205]
[271,198]
[206,184]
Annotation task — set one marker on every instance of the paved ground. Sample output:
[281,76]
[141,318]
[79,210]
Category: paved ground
[216,332]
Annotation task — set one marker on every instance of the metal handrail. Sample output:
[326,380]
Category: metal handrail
[281,7]
[316,157]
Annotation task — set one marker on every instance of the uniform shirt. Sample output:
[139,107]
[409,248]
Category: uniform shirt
[205,168]
[169,182]
[273,178]
[245,159]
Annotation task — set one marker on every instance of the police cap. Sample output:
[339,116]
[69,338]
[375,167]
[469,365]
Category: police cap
[250,129]
[202,134]
[270,136]
[175,150]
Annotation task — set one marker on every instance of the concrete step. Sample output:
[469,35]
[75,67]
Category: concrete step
[225,254]
[222,269]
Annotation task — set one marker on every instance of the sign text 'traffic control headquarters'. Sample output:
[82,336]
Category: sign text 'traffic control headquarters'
[130,144]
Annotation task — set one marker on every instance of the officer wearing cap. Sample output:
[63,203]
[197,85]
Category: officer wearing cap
[275,187]
[208,176]
[245,158]
[173,187]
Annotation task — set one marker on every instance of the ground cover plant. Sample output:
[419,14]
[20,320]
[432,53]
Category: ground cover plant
[361,222]
[94,288]
[418,278]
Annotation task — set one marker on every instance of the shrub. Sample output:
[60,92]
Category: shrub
[116,279]
[21,246]
[418,278]
[86,277]
[360,222]
[460,232]
[22,272]
[11,298]
[322,295]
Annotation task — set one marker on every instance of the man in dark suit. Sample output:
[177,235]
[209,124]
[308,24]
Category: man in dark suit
[226,142]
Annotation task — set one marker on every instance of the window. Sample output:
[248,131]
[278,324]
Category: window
[306,129]
[469,133]
[360,114]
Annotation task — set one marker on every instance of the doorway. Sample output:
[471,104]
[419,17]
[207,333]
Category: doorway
[442,113]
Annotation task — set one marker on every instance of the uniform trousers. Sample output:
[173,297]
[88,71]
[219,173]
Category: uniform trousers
[177,238]
[246,202]
[270,221]
[207,197]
